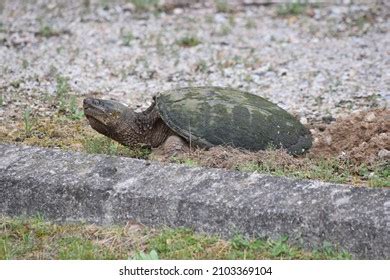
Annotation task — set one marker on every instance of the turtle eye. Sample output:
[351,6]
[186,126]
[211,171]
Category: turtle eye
[91,102]
[96,102]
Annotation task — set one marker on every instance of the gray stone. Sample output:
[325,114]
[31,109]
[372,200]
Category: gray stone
[370,117]
[68,186]
[384,154]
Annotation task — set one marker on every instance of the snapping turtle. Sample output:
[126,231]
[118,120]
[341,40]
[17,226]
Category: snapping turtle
[200,117]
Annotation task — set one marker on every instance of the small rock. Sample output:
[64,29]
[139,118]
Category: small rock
[310,12]
[321,127]
[370,117]
[384,154]
[343,156]
[303,121]
[328,119]
[128,7]
[328,140]
[220,18]
[40,135]
[177,11]
[283,72]
[21,39]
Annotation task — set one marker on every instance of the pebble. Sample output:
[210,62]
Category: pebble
[303,121]
[328,119]
[370,117]
[128,7]
[384,154]
[328,140]
[177,11]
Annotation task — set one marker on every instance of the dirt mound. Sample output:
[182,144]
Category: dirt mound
[363,137]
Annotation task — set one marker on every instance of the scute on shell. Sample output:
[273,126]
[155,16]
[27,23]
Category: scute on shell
[209,116]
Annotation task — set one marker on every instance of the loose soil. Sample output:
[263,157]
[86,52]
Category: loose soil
[363,137]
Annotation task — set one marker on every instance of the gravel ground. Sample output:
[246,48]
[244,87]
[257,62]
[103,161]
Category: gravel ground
[325,60]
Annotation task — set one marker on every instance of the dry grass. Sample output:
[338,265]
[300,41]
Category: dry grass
[280,163]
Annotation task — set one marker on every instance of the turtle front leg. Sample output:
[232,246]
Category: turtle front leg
[173,146]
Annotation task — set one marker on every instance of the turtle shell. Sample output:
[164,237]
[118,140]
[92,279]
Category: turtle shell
[209,116]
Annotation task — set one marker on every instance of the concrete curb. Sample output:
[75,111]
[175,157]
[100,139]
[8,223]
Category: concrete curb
[68,186]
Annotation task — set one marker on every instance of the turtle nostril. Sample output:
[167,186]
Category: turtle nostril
[86,101]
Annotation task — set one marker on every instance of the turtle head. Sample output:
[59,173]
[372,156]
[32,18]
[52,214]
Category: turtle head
[110,118]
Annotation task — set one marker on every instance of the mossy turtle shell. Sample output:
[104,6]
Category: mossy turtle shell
[208,116]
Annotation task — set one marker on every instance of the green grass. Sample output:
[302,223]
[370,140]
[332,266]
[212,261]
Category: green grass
[201,66]
[127,38]
[292,9]
[188,41]
[144,5]
[25,64]
[250,24]
[186,161]
[224,30]
[62,91]
[74,112]
[223,6]
[378,181]
[36,238]
[104,145]
[152,255]
[62,86]
[47,31]
[16,83]
[328,170]
[379,177]
[27,121]
[67,104]
[360,22]
[182,243]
